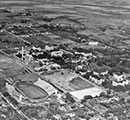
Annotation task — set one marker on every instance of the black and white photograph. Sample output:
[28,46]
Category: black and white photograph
[64,59]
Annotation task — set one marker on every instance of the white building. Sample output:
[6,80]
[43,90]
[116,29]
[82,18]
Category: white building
[104,73]
[99,82]
[118,77]
[93,91]
[93,43]
[46,86]
[49,47]
[122,83]
[57,53]
[36,48]
[54,65]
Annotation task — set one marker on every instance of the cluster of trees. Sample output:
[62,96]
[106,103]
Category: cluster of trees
[19,30]
[109,61]
[25,21]
[78,49]
[117,65]
[9,39]
[112,52]
[85,98]
[46,19]
[60,28]
[69,98]
[2,85]
[119,70]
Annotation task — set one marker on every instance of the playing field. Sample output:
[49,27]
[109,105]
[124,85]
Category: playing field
[79,83]
[69,81]
[31,91]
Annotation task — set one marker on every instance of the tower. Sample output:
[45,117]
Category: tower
[22,53]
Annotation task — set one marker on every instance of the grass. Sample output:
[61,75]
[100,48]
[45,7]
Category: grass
[78,83]
[31,91]
[68,81]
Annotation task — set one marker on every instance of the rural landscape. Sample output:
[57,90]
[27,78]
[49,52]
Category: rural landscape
[65,60]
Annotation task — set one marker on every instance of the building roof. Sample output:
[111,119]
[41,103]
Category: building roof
[46,86]
[94,91]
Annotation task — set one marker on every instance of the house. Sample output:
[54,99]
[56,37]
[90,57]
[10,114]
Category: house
[10,88]
[57,117]
[83,54]
[49,48]
[95,73]
[79,67]
[97,81]
[104,73]
[118,77]
[94,118]
[55,66]
[122,83]
[115,118]
[83,74]
[75,60]
[47,33]
[57,53]
[29,57]
[40,69]
[59,98]
[36,48]
[93,43]
[86,54]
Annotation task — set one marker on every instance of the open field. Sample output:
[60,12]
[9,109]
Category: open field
[7,63]
[27,77]
[9,41]
[79,84]
[68,81]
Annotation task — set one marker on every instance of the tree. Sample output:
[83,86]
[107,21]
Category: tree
[122,100]
[102,94]
[70,98]
[128,101]
[86,97]
[129,93]
[107,84]
[108,92]
[2,84]
[19,55]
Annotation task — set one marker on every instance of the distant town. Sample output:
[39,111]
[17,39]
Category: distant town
[54,65]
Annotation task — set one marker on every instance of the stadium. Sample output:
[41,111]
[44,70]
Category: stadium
[30,91]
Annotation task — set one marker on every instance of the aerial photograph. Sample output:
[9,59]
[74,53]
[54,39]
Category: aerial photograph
[64,59]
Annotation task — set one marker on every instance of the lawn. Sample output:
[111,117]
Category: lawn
[68,81]
[31,91]
[79,83]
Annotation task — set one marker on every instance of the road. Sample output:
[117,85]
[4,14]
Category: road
[16,36]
